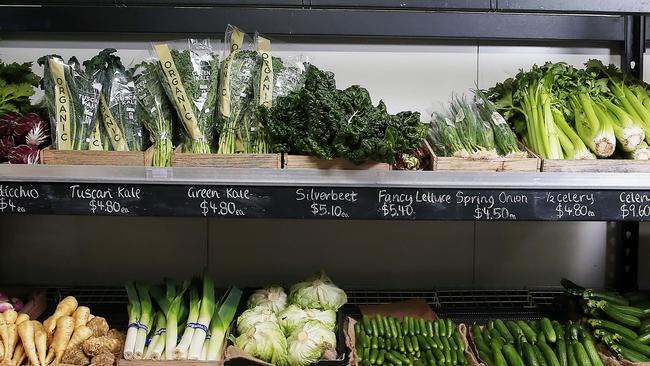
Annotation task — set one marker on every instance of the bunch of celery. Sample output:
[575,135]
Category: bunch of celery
[562,112]
[199,321]
[467,130]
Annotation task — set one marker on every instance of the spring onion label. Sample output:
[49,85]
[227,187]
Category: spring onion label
[114,131]
[183,103]
[96,138]
[62,98]
[236,41]
[266,81]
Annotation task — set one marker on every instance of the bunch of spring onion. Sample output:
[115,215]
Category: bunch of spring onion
[185,323]
[562,112]
[471,130]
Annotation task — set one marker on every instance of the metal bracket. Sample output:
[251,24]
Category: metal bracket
[634,45]
[623,256]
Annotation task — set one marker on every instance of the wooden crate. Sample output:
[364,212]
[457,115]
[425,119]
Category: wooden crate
[596,166]
[87,157]
[532,163]
[273,161]
[310,162]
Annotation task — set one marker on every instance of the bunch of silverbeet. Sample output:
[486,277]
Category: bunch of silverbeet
[385,340]
[621,322]
[535,343]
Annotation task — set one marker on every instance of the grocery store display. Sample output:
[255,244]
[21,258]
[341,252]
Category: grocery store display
[472,130]
[71,335]
[562,112]
[178,322]
[412,341]
[298,332]
[543,342]
[621,322]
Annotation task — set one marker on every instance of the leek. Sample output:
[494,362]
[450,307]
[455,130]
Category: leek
[180,352]
[172,322]
[221,322]
[205,316]
[134,320]
[146,320]
[157,344]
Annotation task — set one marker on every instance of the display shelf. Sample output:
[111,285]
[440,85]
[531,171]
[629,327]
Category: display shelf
[323,194]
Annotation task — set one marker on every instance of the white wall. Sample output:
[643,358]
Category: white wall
[366,254]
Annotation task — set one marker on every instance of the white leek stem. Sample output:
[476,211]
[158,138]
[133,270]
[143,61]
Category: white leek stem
[140,341]
[215,345]
[198,339]
[180,353]
[129,344]
[204,350]
[152,344]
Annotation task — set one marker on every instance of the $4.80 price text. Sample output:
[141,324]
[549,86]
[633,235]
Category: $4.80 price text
[220,208]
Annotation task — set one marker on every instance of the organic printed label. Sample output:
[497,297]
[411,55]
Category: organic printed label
[96,138]
[114,132]
[180,99]
[460,116]
[63,105]
[266,80]
[236,41]
[449,122]
[498,119]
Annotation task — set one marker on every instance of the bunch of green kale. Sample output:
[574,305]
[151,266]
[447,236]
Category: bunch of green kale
[326,122]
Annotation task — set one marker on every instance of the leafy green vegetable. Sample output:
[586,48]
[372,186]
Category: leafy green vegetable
[328,123]
[198,69]
[17,82]
[72,113]
[118,101]
[154,111]
[237,81]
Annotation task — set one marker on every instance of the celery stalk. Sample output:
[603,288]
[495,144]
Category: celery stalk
[205,315]
[628,132]
[580,150]
[134,319]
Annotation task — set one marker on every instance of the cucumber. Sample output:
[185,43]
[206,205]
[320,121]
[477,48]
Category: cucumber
[529,333]
[411,326]
[496,335]
[645,326]
[612,298]
[423,328]
[409,345]
[405,360]
[445,343]
[418,363]
[581,354]
[529,355]
[439,355]
[499,360]
[559,330]
[374,327]
[613,327]
[490,324]
[402,346]
[590,348]
[486,335]
[503,330]
[380,326]
[390,356]
[415,343]
[359,352]
[365,363]
[541,338]
[451,327]
[512,356]
[616,315]
[539,355]
[570,354]
[373,356]
[514,329]
[392,325]
[366,354]
[628,354]
[436,328]
[443,328]
[630,310]
[416,327]
[454,357]
[533,325]
[380,357]
[431,360]
[431,342]
[486,357]
[497,342]
[548,354]
[573,332]
[562,352]
[366,324]
[448,357]
[634,345]
[462,360]
[549,332]
[459,341]
[644,338]
[405,326]
[438,342]
[374,343]
[422,342]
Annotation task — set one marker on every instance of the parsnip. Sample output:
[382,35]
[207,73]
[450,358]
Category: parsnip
[2,351]
[12,338]
[18,356]
[10,316]
[40,338]
[22,317]
[26,332]
[4,335]
[80,334]
[64,328]
[66,307]
[81,316]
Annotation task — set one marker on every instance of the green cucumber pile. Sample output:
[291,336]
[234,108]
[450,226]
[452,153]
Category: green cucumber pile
[621,322]
[543,343]
[384,340]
